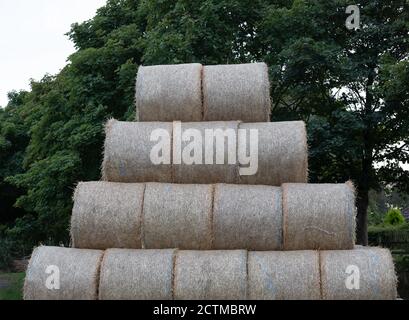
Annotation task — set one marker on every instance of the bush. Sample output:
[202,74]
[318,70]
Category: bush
[394,217]
[6,256]
[394,237]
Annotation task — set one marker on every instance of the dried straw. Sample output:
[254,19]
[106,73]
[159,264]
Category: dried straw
[282,153]
[210,275]
[221,216]
[78,274]
[169,92]
[370,268]
[236,92]
[284,275]
[247,217]
[127,155]
[208,173]
[107,215]
[178,216]
[137,275]
[318,216]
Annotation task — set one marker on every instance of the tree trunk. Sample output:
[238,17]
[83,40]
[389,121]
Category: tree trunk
[362,218]
[367,164]
[363,193]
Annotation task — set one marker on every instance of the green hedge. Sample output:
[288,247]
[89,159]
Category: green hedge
[393,237]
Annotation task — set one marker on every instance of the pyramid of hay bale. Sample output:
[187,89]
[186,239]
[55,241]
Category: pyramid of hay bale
[198,231]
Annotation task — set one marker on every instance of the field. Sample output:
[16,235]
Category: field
[11,286]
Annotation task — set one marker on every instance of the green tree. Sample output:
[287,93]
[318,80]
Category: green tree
[14,139]
[351,86]
[64,114]
[64,118]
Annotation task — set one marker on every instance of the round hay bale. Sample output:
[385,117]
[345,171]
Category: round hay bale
[282,153]
[213,172]
[236,92]
[292,275]
[107,215]
[127,155]
[210,275]
[318,216]
[169,92]
[78,273]
[137,275]
[178,216]
[359,274]
[247,217]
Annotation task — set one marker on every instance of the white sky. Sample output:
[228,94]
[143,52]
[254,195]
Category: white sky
[32,40]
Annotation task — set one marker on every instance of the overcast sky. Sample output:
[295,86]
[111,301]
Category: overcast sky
[32,40]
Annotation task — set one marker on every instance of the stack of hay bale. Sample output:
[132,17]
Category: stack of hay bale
[194,231]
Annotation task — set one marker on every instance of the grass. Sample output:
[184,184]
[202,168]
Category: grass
[11,286]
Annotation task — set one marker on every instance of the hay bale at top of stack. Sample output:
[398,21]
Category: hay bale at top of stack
[293,275]
[318,216]
[247,217]
[127,152]
[137,275]
[191,92]
[203,172]
[78,272]
[169,92]
[236,92]
[178,216]
[210,275]
[359,274]
[282,152]
[107,215]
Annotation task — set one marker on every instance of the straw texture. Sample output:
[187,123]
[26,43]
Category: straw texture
[236,92]
[318,216]
[284,275]
[247,217]
[107,215]
[169,92]
[127,153]
[222,216]
[78,272]
[377,279]
[178,216]
[282,153]
[136,275]
[208,173]
[210,275]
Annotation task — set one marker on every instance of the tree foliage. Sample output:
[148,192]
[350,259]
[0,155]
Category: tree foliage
[394,217]
[349,86]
